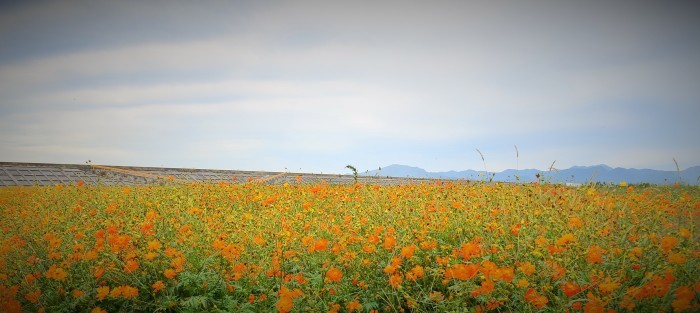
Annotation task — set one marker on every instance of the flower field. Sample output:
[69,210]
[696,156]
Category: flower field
[441,247]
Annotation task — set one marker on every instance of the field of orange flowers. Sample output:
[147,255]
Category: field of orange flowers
[440,247]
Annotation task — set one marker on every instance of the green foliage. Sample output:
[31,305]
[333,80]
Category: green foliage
[241,247]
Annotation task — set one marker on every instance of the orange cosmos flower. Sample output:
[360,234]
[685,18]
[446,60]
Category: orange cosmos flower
[436,296]
[469,250]
[668,242]
[594,304]
[130,292]
[30,278]
[462,271]
[169,273]
[428,245]
[335,308]
[677,258]
[320,245]
[90,255]
[185,230]
[395,280]
[178,263]
[259,240]
[284,305]
[555,249]
[131,265]
[486,287]
[116,291]
[102,292]
[574,222]
[354,306]
[608,286]
[369,248]
[269,201]
[515,229]
[636,252]
[558,271]
[457,205]
[56,273]
[77,293]
[565,239]
[286,299]
[147,228]
[534,298]
[98,271]
[684,296]
[389,242]
[489,269]
[150,256]
[522,283]
[541,241]
[390,269]
[594,254]
[504,273]
[158,286]
[33,296]
[334,275]
[154,245]
[408,251]
[418,271]
[527,268]
[570,289]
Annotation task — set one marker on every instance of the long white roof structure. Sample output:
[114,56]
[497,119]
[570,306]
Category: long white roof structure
[44,174]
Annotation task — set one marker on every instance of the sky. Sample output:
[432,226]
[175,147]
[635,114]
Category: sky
[313,86]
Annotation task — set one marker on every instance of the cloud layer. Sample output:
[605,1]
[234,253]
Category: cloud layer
[313,86]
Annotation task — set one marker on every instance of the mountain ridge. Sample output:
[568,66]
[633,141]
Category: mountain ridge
[600,173]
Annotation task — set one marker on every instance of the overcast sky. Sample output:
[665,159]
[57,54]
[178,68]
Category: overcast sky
[313,86]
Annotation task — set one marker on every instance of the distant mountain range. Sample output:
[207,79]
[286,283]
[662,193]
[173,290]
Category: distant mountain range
[577,174]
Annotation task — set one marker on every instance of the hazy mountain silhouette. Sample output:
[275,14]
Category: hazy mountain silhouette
[577,174]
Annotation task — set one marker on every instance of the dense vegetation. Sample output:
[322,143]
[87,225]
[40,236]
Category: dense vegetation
[451,246]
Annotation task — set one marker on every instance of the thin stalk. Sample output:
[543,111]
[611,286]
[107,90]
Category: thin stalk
[484,161]
[517,163]
[678,170]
